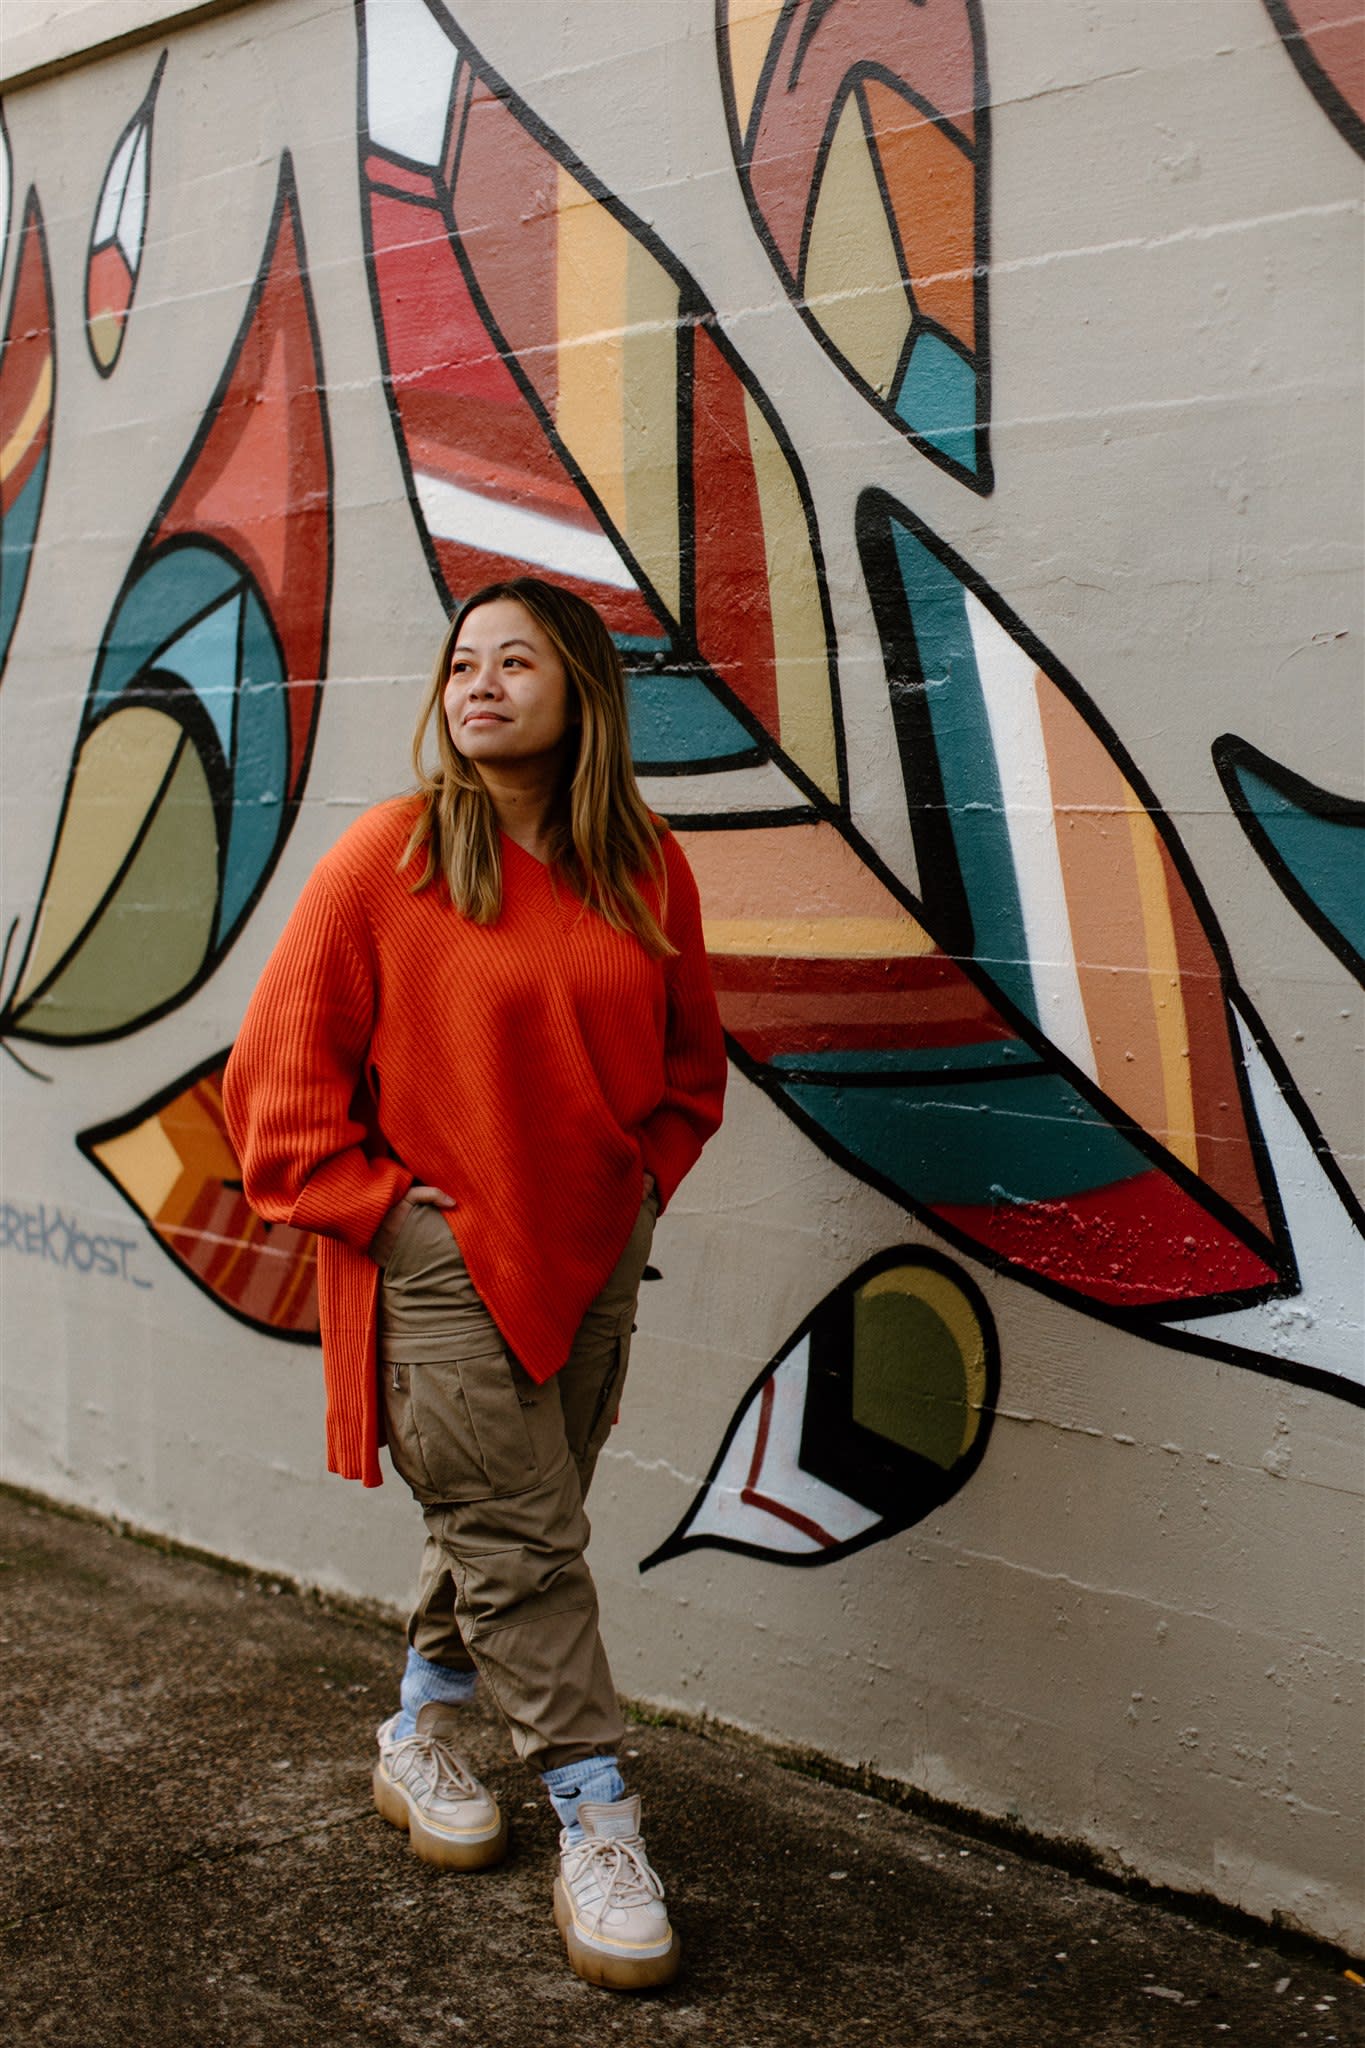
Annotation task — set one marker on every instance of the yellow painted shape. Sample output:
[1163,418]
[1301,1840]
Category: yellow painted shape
[145,1164]
[852,282]
[953,1309]
[590,286]
[119,771]
[30,421]
[651,424]
[805,702]
[106,336]
[819,938]
[749,26]
[1168,1007]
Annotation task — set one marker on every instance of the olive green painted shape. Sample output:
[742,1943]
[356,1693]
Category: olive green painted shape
[909,1382]
[152,937]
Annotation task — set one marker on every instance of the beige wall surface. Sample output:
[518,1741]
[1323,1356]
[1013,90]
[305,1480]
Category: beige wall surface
[958,418]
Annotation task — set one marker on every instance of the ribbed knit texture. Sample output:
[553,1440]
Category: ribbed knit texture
[534,1069]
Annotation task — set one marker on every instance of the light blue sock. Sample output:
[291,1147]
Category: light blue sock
[423,1682]
[596,1778]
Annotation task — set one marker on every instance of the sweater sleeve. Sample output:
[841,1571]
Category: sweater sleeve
[291,1089]
[672,1136]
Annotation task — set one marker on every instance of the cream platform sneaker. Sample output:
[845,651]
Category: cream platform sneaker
[609,1903]
[424,1785]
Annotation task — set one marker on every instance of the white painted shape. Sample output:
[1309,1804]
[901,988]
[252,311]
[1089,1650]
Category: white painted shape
[454,513]
[721,790]
[115,185]
[724,1513]
[1010,690]
[1323,1325]
[133,213]
[409,71]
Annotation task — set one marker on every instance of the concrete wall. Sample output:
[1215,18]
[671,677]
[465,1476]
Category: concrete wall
[957,411]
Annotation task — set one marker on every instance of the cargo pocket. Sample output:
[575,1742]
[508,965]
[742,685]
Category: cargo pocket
[472,1428]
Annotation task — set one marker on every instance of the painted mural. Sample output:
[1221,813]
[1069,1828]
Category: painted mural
[196,732]
[861,129]
[28,375]
[1036,1046]
[1326,40]
[119,234]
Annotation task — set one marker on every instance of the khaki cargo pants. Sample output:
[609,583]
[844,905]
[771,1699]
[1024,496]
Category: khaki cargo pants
[501,1467]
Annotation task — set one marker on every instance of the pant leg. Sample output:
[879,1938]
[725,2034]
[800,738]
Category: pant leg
[487,1453]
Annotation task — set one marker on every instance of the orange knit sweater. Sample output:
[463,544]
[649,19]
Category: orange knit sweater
[534,1069]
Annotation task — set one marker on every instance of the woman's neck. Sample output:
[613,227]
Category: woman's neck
[524,804]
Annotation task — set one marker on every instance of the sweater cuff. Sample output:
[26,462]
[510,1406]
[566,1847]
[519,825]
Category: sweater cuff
[349,1196]
[669,1149]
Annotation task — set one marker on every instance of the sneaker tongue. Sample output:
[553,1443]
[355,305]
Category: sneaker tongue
[439,1719]
[616,1822]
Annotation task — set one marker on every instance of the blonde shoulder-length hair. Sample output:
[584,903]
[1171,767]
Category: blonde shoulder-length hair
[604,840]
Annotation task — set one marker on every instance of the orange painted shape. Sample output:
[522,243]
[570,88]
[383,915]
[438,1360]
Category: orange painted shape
[931,184]
[792,873]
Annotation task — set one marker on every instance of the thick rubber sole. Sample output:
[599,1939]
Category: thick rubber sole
[447,1852]
[614,1972]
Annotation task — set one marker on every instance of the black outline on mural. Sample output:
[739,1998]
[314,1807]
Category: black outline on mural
[285,201]
[115,1127]
[1328,95]
[1232,754]
[7,189]
[693,312]
[982,480]
[145,111]
[32,214]
[678,1544]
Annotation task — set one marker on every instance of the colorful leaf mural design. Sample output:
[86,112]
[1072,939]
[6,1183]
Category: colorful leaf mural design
[861,133]
[875,1412]
[1312,842]
[119,233]
[196,733]
[911,1068]
[564,401]
[27,391]
[171,1158]
[1326,40]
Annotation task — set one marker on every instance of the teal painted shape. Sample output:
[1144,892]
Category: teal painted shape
[176,587]
[937,603]
[1017,1138]
[260,765]
[16,551]
[1323,855]
[926,1060]
[937,398]
[205,657]
[680,718]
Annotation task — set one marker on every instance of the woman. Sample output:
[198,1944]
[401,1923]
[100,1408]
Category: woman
[479,1061]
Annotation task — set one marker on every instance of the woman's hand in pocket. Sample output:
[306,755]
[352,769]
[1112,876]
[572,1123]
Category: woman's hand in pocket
[386,1237]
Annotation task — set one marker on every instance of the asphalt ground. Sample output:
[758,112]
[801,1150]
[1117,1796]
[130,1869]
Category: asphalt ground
[191,1856]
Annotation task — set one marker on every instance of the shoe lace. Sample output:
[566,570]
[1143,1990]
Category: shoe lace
[622,1871]
[443,1773]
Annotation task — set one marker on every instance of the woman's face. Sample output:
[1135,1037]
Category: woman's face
[507,699]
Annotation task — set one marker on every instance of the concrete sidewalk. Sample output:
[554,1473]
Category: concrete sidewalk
[191,1856]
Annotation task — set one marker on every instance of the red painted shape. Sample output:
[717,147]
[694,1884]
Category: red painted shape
[734,625]
[463,416]
[787,1005]
[27,358]
[1140,1243]
[108,284]
[259,480]
[1333,33]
